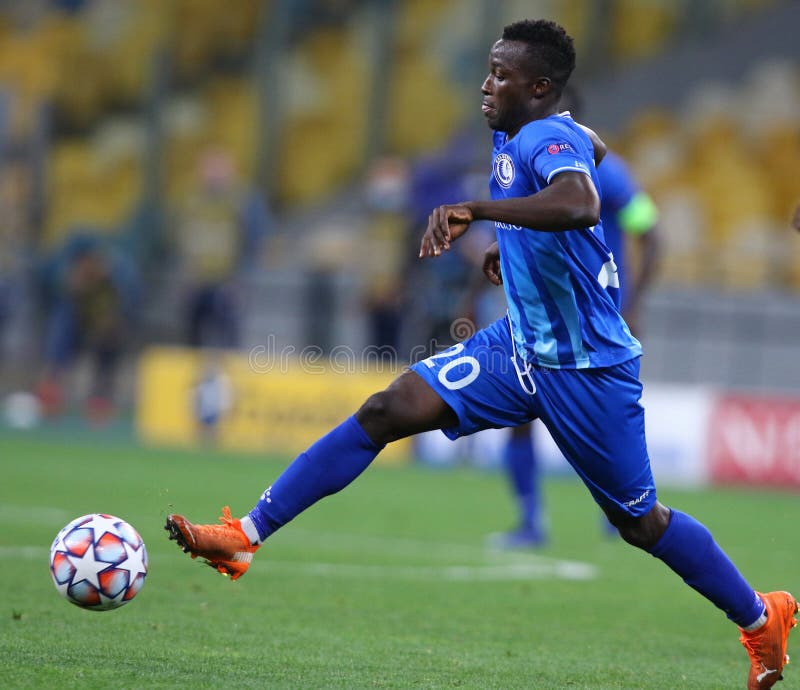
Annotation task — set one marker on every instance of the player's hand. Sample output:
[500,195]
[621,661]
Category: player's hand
[491,264]
[445,224]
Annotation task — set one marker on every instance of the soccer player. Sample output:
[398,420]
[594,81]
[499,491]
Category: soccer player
[629,219]
[563,354]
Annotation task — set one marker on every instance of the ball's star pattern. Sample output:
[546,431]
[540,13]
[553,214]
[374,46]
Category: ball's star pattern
[87,567]
[112,602]
[58,544]
[101,525]
[134,561]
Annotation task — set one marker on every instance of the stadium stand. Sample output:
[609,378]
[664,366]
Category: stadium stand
[101,99]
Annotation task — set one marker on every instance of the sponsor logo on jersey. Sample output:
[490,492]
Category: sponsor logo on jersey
[504,170]
[637,501]
[558,148]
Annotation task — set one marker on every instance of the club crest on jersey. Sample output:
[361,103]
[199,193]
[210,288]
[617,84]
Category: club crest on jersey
[558,148]
[504,170]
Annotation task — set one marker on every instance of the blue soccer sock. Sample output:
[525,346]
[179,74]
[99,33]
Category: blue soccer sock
[326,467]
[689,549]
[520,460]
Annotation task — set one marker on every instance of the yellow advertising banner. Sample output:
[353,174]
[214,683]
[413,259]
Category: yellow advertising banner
[188,397]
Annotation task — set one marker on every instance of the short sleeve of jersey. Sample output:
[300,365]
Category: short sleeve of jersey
[616,182]
[556,150]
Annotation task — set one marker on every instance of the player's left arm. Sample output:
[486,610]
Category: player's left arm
[491,264]
[599,146]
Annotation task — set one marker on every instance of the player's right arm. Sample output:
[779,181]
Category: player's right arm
[569,202]
[445,224]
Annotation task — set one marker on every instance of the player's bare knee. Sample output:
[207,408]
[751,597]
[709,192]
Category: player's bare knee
[644,531]
[376,417]
[633,534]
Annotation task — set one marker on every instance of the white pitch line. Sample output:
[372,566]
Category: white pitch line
[28,553]
[539,568]
[502,565]
[395,546]
[40,515]
[544,569]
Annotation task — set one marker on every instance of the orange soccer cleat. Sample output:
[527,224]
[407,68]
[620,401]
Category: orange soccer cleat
[224,547]
[767,645]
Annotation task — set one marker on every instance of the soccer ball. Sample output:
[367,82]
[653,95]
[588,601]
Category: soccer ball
[98,562]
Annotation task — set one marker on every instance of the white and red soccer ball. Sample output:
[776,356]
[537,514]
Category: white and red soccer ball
[98,562]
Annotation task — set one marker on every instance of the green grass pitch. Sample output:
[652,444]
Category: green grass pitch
[386,585]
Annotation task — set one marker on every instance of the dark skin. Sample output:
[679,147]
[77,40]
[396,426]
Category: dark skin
[648,248]
[514,94]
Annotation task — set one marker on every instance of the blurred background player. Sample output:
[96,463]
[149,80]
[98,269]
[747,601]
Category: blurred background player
[212,398]
[630,227]
[91,293]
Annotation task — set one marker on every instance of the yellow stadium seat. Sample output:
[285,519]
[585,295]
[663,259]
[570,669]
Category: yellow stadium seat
[640,28]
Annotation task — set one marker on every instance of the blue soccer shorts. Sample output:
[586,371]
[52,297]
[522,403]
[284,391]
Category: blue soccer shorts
[593,415]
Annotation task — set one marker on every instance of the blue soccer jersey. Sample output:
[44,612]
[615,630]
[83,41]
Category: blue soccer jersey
[558,284]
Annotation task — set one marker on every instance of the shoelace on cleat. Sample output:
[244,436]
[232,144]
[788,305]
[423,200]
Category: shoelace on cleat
[226,518]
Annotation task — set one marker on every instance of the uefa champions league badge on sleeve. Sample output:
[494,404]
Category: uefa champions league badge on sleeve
[504,170]
[553,149]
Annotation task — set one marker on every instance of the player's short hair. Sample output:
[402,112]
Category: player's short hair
[549,47]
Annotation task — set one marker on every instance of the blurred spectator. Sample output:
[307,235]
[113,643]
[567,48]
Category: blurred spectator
[91,297]
[444,177]
[386,193]
[212,399]
[70,5]
[218,236]
[16,233]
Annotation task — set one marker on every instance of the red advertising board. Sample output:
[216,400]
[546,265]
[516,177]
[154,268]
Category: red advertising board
[755,441]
